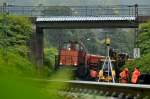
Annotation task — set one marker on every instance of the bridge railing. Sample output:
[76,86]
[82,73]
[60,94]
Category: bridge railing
[69,10]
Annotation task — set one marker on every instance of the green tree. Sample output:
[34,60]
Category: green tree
[142,63]
[18,31]
[49,56]
[144,44]
[144,38]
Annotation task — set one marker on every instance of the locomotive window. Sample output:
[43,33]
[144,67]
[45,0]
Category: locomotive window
[77,46]
[73,46]
[66,46]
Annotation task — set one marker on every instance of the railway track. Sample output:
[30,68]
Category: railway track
[104,89]
[116,90]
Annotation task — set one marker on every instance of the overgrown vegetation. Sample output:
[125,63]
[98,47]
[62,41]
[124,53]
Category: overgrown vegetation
[144,38]
[17,73]
[143,63]
[14,33]
[144,43]
[16,65]
[49,57]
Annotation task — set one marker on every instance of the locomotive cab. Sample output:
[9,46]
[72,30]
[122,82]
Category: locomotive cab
[71,54]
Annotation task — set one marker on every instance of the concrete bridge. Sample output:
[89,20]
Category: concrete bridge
[67,17]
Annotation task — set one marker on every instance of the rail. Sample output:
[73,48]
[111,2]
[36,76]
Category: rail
[111,89]
[121,91]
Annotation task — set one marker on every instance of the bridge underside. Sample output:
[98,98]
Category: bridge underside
[87,25]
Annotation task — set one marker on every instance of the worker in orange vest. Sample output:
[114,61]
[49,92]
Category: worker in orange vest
[135,75]
[124,76]
[93,74]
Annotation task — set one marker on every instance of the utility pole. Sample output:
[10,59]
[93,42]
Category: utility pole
[4,32]
[136,50]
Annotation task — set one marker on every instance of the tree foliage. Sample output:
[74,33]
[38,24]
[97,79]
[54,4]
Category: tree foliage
[49,56]
[143,63]
[17,69]
[144,43]
[14,32]
[144,38]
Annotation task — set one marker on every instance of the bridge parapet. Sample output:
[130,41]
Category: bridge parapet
[34,11]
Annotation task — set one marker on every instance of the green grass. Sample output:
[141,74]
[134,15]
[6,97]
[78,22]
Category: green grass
[16,64]
[14,82]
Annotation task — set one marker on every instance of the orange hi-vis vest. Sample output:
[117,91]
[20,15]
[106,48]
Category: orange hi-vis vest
[123,77]
[93,73]
[135,76]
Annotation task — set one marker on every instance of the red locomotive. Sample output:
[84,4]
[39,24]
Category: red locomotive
[73,54]
[87,66]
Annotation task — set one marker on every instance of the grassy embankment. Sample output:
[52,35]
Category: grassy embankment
[15,85]
[15,68]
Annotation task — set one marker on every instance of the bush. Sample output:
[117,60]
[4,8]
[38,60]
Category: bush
[144,38]
[143,63]
[15,31]
[16,64]
[49,57]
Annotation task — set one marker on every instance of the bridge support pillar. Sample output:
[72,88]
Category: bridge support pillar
[39,47]
[36,46]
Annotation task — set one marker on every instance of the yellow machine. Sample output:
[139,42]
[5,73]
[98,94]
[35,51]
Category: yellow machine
[106,78]
[107,73]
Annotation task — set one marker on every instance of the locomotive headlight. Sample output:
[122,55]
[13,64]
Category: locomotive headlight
[69,49]
[75,64]
[60,63]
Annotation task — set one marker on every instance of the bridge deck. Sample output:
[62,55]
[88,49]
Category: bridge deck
[86,18]
[87,22]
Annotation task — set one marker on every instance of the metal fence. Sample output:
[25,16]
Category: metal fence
[72,10]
